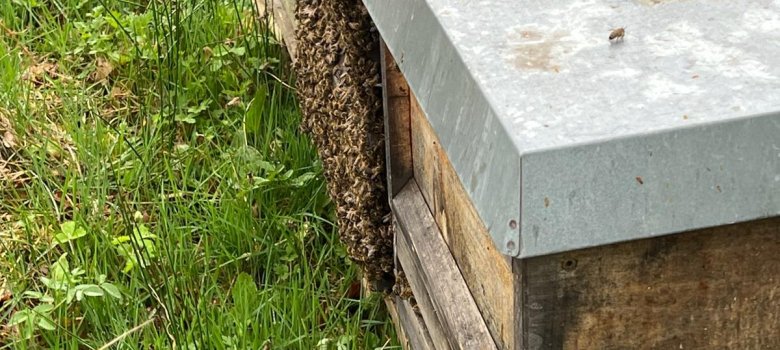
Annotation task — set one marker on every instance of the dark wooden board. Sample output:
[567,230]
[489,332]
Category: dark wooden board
[398,137]
[716,288]
[438,273]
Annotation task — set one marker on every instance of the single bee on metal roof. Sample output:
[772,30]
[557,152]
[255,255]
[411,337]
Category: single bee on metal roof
[617,34]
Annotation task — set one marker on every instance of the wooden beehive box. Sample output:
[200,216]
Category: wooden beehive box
[552,189]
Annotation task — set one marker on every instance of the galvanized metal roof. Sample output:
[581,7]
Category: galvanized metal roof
[565,140]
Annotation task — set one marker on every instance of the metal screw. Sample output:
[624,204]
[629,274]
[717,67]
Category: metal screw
[569,264]
[513,224]
[510,246]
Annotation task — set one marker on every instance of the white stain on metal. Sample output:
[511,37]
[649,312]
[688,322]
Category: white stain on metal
[762,20]
[658,87]
[625,72]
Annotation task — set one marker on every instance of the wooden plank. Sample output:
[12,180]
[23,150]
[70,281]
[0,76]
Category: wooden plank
[391,304]
[413,271]
[282,21]
[423,154]
[488,273]
[398,136]
[716,288]
[450,297]
[410,328]
[284,17]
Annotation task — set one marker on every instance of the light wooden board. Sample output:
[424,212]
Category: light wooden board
[282,21]
[428,311]
[488,273]
[410,328]
[716,288]
[438,274]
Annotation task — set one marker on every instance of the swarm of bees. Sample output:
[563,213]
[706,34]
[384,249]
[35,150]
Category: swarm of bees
[617,34]
[342,112]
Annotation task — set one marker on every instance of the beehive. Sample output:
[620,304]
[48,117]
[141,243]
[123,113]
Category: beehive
[555,189]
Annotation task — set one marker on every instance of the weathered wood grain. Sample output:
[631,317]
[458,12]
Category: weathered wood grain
[488,273]
[284,17]
[454,306]
[282,21]
[716,288]
[423,159]
[412,269]
[410,328]
[397,123]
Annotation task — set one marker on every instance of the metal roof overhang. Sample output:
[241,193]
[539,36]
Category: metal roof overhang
[565,140]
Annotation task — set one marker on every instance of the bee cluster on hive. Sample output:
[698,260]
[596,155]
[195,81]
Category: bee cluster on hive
[339,88]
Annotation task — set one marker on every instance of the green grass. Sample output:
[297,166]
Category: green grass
[155,191]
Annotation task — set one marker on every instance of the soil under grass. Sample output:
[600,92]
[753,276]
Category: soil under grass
[155,190]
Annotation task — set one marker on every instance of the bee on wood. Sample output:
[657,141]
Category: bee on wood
[617,34]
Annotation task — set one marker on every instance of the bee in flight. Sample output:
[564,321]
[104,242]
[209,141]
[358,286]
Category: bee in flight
[617,34]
